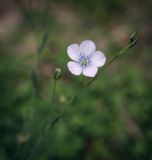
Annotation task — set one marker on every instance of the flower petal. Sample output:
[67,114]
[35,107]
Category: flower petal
[74,68]
[73,51]
[87,48]
[90,71]
[98,58]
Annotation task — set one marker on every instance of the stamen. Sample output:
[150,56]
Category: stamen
[84,62]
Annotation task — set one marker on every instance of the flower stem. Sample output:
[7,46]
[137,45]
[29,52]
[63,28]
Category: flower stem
[83,80]
[132,42]
[54,92]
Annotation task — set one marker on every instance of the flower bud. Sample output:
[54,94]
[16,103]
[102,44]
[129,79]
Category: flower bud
[133,39]
[57,73]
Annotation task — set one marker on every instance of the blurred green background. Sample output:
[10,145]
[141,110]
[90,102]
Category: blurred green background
[112,119]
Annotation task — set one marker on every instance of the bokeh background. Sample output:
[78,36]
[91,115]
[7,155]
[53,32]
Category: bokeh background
[112,119]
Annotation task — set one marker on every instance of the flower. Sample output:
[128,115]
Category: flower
[86,59]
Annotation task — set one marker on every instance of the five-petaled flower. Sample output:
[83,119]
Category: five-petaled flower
[86,59]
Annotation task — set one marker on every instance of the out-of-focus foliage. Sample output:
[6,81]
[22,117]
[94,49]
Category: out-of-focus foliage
[110,120]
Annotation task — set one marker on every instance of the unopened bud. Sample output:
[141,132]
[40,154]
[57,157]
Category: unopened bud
[133,39]
[57,73]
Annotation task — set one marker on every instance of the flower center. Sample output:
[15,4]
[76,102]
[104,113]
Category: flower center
[84,62]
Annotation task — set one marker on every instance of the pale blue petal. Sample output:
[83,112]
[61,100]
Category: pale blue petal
[74,51]
[98,58]
[90,71]
[87,48]
[75,68]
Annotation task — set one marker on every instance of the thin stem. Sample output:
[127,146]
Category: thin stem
[50,123]
[83,80]
[132,41]
[40,140]
[118,54]
[54,92]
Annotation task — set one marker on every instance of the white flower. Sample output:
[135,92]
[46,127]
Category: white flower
[86,59]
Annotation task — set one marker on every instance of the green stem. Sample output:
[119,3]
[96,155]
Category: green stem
[54,92]
[118,54]
[83,80]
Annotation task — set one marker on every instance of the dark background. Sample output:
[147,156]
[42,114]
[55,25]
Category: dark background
[112,119]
